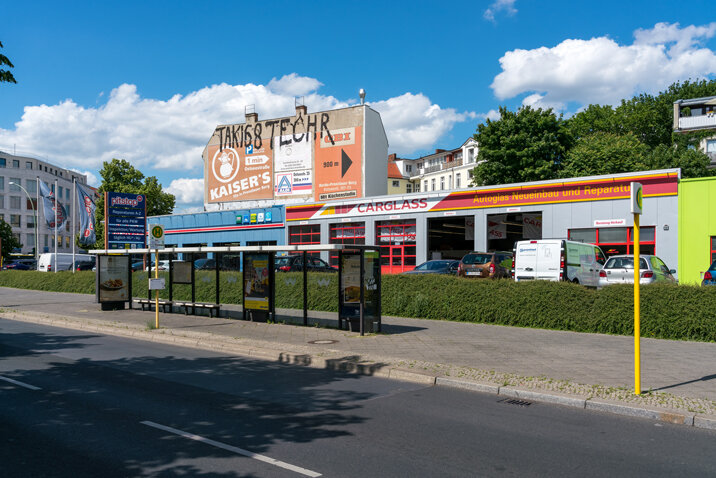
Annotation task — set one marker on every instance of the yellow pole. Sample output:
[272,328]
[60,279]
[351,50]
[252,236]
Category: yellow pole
[637,322]
[156,292]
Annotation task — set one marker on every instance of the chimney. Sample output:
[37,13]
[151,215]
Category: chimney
[440,151]
[392,157]
[301,110]
[252,116]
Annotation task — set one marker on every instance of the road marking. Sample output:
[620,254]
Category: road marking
[21,384]
[233,449]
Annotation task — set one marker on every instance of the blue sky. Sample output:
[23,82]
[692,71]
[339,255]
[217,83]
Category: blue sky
[148,81]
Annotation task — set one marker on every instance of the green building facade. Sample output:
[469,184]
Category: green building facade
[697,228]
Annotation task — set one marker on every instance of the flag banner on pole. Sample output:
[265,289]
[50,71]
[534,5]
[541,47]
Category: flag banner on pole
[86,215]
[48,201]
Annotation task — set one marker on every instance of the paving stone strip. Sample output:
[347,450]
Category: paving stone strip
[650,404]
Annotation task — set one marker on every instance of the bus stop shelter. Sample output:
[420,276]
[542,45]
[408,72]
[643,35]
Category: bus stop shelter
[359,280]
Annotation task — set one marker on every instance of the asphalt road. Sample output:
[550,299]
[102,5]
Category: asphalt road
[78,404]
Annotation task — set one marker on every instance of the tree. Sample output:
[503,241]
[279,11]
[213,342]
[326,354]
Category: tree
[524,146]
[693,163]
[604,153]
[119,176]
[595,118]
[5,75]
[9,242]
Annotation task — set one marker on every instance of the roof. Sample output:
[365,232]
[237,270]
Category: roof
[710,100]
[393,171]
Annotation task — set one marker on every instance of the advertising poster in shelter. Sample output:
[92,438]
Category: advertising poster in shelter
[113,278]
[350,279]
[338,166]
[257,291]
[181,272]
[239,173]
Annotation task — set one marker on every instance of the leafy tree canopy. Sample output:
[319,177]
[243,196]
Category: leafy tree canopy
[9,242]
[119,176]
[524,146]
[5,75]
[604,153]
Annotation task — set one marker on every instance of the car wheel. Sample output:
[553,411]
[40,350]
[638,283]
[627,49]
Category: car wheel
[576,281]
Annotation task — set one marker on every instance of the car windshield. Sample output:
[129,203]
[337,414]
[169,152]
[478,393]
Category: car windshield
[625,263]
[283,261]
[477,258]
[432,265]
[713,266]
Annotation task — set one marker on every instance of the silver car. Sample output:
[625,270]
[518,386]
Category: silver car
[620,270]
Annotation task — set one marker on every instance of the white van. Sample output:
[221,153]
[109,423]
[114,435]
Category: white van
[558,259]
[46,262]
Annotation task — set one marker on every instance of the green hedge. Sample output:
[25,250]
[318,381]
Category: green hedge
[667,311]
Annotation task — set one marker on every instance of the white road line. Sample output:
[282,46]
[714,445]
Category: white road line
[233,449]
[21,384]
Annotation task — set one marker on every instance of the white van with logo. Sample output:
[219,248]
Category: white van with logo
[46,262]
[557,260]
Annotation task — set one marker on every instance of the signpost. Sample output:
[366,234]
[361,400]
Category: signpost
[156,242]
[636,208]
[125,221]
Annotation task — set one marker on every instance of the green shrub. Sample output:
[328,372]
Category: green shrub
[668,311]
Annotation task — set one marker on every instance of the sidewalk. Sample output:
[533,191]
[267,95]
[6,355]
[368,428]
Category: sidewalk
[679,375]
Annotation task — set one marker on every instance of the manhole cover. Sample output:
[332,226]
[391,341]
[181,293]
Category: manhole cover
[513,401]
[322,342]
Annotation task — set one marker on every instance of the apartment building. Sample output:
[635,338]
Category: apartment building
[18,201]
[443,170]
[698,114]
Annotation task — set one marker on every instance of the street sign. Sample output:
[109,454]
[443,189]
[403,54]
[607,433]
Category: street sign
[636,198]
[156,236]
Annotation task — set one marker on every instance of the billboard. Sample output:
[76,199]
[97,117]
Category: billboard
[237,174]
[125,221]
[307,156]
[339,165]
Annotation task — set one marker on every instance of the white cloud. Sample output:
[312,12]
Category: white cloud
[413,123]
[187,190]
[92,178]
[497,6]
[599,70]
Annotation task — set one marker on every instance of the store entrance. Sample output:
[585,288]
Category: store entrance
[450,237]
[503,230]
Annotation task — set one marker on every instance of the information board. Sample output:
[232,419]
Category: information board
[125,221]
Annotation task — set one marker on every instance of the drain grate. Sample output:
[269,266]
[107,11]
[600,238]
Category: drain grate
[322,342]
[514,401]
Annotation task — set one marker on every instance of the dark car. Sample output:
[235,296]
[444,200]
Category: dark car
[205,263]
[710,275]
[83,265]
[436,267]
[137,266]
[295,263]
[20,265]
[485,264]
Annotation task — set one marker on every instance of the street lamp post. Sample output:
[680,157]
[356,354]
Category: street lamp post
[34,214]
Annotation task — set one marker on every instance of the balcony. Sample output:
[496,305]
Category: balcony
[439,167]
[698,122]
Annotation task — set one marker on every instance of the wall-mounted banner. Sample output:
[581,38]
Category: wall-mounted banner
[125,221]
[338,165]
[236,174]
[292,155]
[294,183]
[655,185]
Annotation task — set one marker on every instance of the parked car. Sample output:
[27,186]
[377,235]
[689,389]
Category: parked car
[20,265]
[163,266]
[710,275]
[64,261]
[436,267]
[205,263]
[83,265]
[620,270]
[558,259]
[137,266]
[494,265]
[295,263]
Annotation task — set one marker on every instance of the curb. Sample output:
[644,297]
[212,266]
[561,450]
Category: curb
[362,366]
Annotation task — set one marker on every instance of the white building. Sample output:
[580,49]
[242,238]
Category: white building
[442,171]
[19,210]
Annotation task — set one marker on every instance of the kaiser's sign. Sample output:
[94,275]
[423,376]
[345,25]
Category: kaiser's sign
[239,174]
